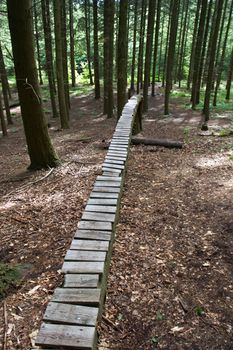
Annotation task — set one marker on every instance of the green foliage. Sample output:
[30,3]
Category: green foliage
[159,316]
[186,132]
[9,276]
[199,311]
[225,132]
[231,156]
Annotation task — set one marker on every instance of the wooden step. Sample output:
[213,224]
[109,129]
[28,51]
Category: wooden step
[85,267]
[100,226]
[81,280]
[93,235]
[85,255]
[79,296]
[84,244]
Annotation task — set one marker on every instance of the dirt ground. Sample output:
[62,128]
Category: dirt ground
[171,279]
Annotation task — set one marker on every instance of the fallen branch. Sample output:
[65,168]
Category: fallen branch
[156,142]
[110,323]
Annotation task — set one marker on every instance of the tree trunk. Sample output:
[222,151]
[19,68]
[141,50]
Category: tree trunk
[122,57]
[65,55]
[40,149]
[156,142]
[49,56]
[72,54]
[161,47]
[171,53]
[167,42]
[197,53]
[141,45]
[229,78]
[37,37]
[220,67]
[4,87]
[132,88]
[149,42]
[156,42]
[96,50]
[88,44]
[59,65]
[190,75]
[215,30]
[2,118]
[183,42]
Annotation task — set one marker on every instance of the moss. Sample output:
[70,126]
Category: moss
[10,276]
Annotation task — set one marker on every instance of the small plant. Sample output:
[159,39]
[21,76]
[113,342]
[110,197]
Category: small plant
[9,275]
[199,311]
[154,340]
[231,156]
[186,132]
[225,132]
[159,316]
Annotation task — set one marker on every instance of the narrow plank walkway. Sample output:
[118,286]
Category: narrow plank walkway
[71,316]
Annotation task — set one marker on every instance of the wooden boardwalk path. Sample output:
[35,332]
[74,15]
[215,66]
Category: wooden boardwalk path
[71,316]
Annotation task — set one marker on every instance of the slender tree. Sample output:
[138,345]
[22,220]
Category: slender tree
[161,47]
[41,152]
[171,53]
[156,46]
[88,41]
[49,55]
[3,77]
[65,54]
[72,53]
[215,30]
[37,38]
[122,57]
[63,110]
[183,42]
[96,50]
[149,42]
[132,88]
[141,45]
[2,118]
[229,78]
[167,42]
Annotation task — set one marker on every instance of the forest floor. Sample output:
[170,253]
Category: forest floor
[171,278]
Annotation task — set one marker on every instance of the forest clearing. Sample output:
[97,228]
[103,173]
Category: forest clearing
[116,187]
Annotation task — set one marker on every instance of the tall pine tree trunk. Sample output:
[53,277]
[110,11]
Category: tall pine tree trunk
[183,41]
[49,56]
[37,37]
[149,42]
[215,31]
[41,152]
[63,110]
[161,48]
[65,55]
[72,54]
[122,57]
[132,88]
[141,45]
[156,42]
[229,78]
[2,118]
[167,43]
[96,50]
[88,44]
[4,87]
[171,53]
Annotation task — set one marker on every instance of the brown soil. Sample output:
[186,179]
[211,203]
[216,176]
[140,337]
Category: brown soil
[171,282]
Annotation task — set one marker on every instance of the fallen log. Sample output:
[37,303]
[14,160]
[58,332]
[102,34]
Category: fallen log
[156,142]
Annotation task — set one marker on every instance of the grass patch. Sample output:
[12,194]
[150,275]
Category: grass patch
[10,276]
[225,132]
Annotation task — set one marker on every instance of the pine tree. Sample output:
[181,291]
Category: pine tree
[72,53]
[96,50]
[156,42]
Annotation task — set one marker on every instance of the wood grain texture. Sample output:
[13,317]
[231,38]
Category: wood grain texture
[93,235]
[101,208]
[84,244]
[81,280]
[95,267]
[93,216]
[80,296]
[100,226]
[85,255]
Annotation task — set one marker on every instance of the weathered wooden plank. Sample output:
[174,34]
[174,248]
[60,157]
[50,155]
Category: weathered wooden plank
[83,267]
[92,234]
[102,201]
[81,296]
[87,215]
[108,178]
[71,314]
[114,161]
[101,208]
[74,337]
[81,244]
[116,171]
[107,184]
[85,255]
[105,194]
[112,165]
[81,281]
[118,158]
[110,173]
[119,153]
[100,226]
[118,147]
[107,189]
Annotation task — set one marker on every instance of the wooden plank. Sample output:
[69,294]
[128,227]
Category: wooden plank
[120,158]
[118,148]
[108,178]
[81,244]
[100,226]
[105,194]
[107,189]
[85,255]
[92,234]
[102,201]
[74,337]
[87,215]
[81,281]
[110,173]
[112,165]
[107,184]
[114,161]
[101,208]
[117,153]
[71,314]
[83,267]
[81,296]
[116,171]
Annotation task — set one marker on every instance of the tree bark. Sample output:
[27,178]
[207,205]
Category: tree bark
[65,55]
[122,57]
[171,53]
[49,55]
[183,42]
[229,78]
[4,87]
[215,30]
[88,44]
[161,47]
[156,42]
[156,142]
[141,45]
[132,88]
[2,118]
[72,54]
[41,152]
[149,42]
[37,41]
[59,65]
[96,50]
